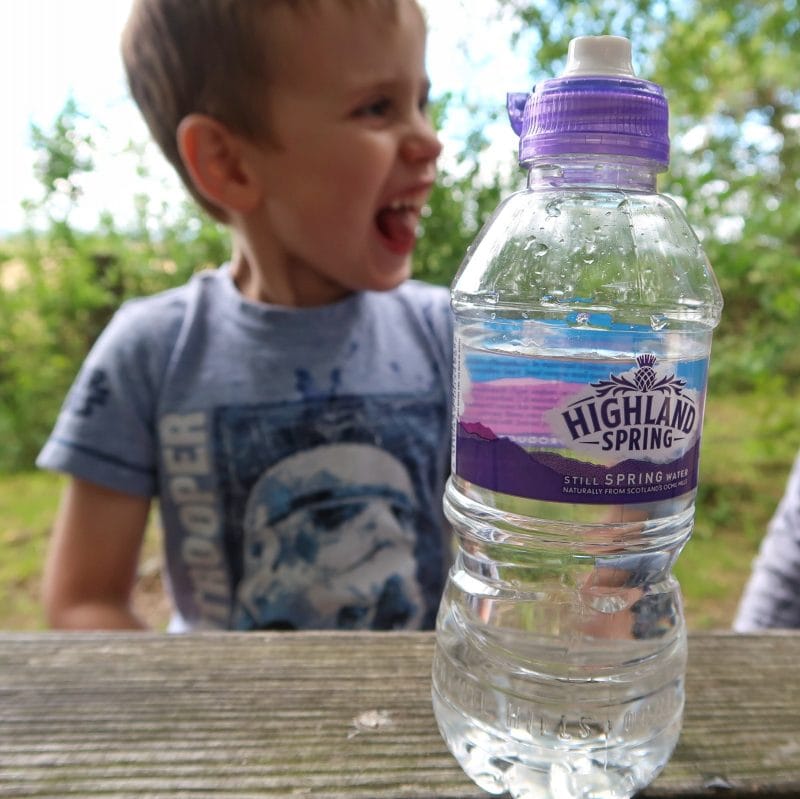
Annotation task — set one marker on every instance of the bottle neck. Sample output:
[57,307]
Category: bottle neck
[595,171]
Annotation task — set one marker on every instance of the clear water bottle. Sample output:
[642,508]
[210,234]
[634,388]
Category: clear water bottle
[584,316]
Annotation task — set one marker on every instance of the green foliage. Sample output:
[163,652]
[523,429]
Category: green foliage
[729,70]
[64,154]
[459,205]
[743,56]
[59,288]
[59,292]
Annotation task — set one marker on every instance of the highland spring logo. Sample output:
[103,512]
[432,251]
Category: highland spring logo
[643,413]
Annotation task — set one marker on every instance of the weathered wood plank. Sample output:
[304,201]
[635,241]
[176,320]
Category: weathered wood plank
[331,716]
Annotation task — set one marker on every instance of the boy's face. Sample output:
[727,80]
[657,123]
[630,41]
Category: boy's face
[355,155]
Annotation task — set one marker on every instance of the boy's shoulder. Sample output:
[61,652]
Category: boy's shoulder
[422,311]
[420,289]
[175,299]
[428,298]
[417,298]
[154,314]
[145,329]
[421,304]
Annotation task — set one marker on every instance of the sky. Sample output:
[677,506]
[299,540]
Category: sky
[53,49]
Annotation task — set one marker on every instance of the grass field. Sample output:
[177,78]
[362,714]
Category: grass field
[749,444]
[748,447]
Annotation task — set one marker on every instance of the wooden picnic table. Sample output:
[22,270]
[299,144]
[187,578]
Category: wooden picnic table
[331,716]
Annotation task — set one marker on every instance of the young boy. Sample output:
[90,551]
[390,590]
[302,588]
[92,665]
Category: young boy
[289,410]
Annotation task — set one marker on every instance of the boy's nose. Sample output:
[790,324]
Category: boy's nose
[422,143]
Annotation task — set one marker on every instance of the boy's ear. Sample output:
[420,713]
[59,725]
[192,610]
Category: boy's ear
[216,161]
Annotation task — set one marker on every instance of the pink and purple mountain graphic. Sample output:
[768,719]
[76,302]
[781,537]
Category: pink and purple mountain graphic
[500,464]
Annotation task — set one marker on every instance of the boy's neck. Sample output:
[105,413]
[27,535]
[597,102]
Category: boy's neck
[260,285]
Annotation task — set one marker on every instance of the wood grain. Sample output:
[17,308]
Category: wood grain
[331,716]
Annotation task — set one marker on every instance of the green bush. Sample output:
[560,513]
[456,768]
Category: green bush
[58,294]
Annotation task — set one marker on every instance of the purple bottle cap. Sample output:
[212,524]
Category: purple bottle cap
[596,106]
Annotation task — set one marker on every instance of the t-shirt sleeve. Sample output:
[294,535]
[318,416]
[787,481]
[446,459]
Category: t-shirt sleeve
[771,598]
[105,431]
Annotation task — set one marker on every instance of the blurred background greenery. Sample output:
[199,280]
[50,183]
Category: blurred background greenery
[730,71]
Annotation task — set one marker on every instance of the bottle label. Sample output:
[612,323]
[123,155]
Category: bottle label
[594,432]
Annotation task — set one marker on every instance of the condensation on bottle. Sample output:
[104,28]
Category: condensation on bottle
[584,314]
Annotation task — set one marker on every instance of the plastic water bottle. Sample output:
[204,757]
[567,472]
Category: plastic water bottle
[584,316]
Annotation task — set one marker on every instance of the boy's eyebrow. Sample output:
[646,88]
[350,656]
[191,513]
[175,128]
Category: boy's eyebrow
[388,84]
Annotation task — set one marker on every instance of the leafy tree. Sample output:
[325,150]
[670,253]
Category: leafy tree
[64,155]
[459,204]
[730,72]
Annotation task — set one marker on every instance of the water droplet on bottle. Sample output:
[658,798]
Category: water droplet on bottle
[553,208]
[587,259]
[524,314]
[658,321]
[537,248]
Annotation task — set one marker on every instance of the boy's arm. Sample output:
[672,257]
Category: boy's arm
[771,598]
[92,559]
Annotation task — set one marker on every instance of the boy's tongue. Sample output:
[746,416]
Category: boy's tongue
[399,227]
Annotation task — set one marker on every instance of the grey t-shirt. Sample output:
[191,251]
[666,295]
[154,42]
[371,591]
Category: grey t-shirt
[298,455]
[771,598]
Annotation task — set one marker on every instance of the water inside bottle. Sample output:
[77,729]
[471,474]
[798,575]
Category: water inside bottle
[559,681]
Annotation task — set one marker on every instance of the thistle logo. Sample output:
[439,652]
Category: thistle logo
[644,412]
[645,375]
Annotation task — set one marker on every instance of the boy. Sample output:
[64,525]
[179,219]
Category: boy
[289,409]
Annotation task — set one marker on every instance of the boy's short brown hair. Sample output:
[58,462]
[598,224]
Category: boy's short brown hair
[204,56]
[196,56]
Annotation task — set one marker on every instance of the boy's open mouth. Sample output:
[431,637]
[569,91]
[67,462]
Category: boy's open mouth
[397,223]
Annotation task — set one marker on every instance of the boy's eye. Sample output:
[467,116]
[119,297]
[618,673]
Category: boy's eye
[377,108]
